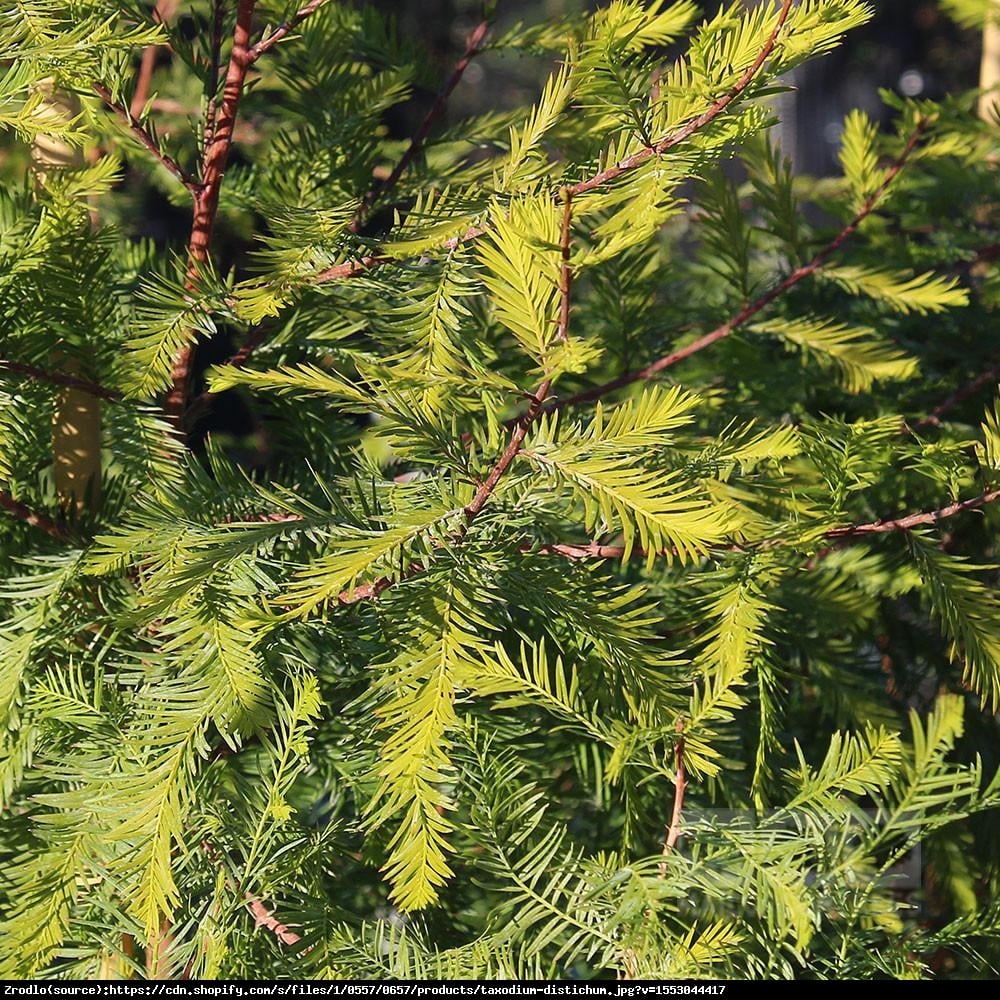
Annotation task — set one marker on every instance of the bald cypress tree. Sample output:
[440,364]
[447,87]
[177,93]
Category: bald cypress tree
[602,579]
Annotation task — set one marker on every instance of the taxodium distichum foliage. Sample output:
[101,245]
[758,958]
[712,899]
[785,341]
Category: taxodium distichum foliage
[605,586]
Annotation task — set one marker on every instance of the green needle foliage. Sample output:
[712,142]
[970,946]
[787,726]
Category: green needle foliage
[607,587]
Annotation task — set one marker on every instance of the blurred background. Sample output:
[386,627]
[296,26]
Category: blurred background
[910,47]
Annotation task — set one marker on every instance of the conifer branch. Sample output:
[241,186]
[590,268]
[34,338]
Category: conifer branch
[574,551]
[960,395]
[354,268]
[351,269]
[263,917]
[211,91]
[751,309]
[918,520]
[58,378]
[885,526]
[24,513]
[145,139]
[519,628]
[637,159]
[206,202]
[256,51]
[523,425]
[473,47]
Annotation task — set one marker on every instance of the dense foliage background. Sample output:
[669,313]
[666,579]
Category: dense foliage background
[477,505]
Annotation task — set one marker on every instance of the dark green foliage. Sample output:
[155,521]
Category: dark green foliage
[604,474]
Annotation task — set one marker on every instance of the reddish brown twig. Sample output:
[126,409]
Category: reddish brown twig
[158,951]
[751,309]
[521,429]
[217,152]
[369,590]
[163,12]
[591,551]
[355,268]
[566,271]
[145,139]
[522,426]
[594,551]
[352,269]
[911,521]
[212,87]
[680,786]
[886,526]
[263,917]
[24,513]
[206,202]
[256,51]
[472,48]
[960,395]
[57,378]
[141,93]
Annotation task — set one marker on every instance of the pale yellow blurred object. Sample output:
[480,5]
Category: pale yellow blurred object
[76,421]
[989,69]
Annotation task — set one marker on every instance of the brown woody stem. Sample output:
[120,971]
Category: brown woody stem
[680,786]
[472,49]
[263,917]
[24,513]
[144,138]
[637,159]
[751,309]
[522,426]
[59,378]
[918,520]
[886,526]
[206,202]
[594,551]
[256,51]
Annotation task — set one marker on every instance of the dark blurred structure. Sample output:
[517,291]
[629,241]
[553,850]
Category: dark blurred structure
[910,47]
